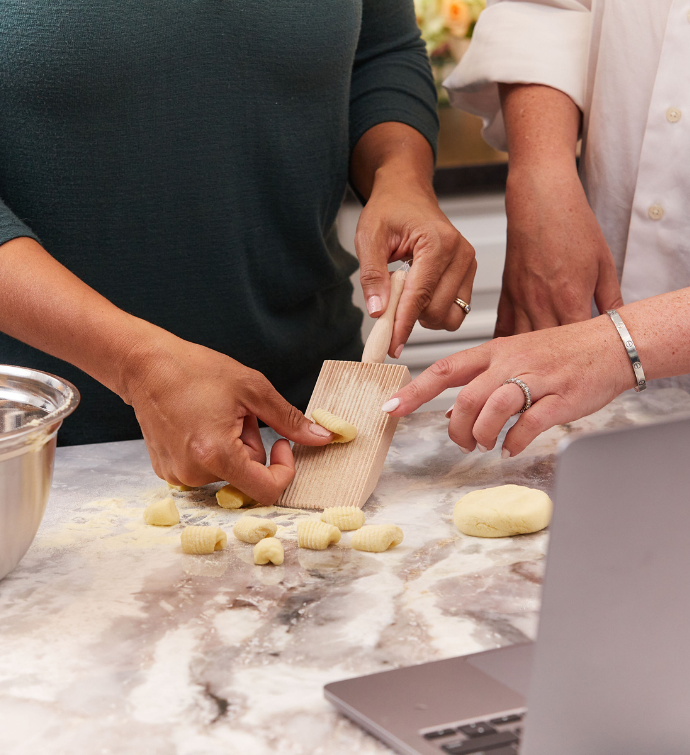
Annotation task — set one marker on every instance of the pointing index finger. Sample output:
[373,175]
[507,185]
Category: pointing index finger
[451,372]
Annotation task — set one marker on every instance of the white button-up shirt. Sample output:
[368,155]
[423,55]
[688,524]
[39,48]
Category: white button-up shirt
[626,64]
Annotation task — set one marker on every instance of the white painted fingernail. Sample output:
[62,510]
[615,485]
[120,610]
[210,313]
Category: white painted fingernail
[391,405]
[450,411]
[319,431]
[482,449]
[398,351]
[505,454]
[465,450]
[374,304]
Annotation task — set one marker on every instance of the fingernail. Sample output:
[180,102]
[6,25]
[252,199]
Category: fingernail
[319,431]
[374,304]
[482,449]
[398,351]
[505,454]
[465,450]
[449,412]
[391,405]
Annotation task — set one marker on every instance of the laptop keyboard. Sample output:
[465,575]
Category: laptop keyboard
[496,736]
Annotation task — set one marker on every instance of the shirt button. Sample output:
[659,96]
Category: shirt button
[656,212]
[673,114]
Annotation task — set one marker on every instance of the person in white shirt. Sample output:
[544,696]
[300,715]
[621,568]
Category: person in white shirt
[541,73]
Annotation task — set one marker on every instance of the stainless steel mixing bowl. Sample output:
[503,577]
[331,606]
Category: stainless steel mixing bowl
[32,407]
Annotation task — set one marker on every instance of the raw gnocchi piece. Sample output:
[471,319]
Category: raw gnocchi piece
[162,513]
[345,518]
[316,535]
[251,529]
[199,539]
[343,431]
[376,538]
[179,488]
[230,497]
[269,549]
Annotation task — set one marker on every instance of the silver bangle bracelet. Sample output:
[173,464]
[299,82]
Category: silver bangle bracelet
[630,348]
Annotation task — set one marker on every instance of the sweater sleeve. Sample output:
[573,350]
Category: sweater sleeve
[11,227]
[391,76]
[522,41]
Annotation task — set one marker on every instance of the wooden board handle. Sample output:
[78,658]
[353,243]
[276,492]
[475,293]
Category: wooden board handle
[379,341]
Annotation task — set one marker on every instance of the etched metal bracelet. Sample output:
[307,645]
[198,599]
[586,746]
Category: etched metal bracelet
[630,348]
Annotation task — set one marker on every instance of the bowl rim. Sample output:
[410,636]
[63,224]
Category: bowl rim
[67,390]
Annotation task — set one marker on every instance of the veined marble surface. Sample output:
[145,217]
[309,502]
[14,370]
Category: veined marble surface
[113,641]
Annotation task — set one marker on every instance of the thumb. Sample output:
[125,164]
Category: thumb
[607,293]
[372,251]
[287,420]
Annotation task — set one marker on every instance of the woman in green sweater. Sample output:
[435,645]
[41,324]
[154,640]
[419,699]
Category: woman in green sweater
[170,176]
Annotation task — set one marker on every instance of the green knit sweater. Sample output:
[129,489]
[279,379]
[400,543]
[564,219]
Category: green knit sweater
[187,159]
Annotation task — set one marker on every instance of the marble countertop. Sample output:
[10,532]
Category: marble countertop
[113,641]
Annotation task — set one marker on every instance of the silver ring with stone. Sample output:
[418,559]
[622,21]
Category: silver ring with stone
[463,305]
[523,387]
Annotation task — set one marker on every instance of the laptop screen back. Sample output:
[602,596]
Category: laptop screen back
[612,665]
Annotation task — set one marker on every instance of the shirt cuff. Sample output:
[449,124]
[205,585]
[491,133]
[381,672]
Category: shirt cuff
[11,227]
[520,43]
[421,118]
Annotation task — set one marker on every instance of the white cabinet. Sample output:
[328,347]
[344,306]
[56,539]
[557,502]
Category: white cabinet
[482,220]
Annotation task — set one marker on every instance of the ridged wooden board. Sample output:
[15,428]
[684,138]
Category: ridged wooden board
[345,474]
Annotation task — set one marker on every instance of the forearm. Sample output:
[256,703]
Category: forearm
[660,328]
[542,126]
[392,151]
[49,308]
[557,257]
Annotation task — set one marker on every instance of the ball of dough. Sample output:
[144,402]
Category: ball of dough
[162,513]
[316,535]
[376,538]
[503,511]
[345,518]
[343,431]
[229,497]
[270,549]
[199,539]
[251,529]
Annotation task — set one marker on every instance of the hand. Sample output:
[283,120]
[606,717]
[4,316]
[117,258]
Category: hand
[393,165]
[199,410]
[571,372]
[557,258]
[402,221]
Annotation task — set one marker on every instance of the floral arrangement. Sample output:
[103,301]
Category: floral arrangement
[447,27]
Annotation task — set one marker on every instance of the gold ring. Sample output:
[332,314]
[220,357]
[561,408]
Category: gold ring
[463,305]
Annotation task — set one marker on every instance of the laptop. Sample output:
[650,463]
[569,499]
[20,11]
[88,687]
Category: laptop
[610,671]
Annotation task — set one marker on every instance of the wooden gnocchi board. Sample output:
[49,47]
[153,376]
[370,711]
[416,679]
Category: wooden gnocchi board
[345,474]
